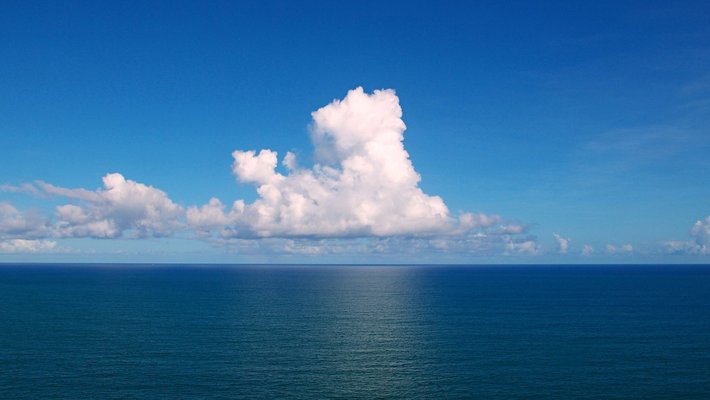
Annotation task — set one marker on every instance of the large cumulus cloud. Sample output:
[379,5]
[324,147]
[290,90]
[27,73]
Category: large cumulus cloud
[363,183]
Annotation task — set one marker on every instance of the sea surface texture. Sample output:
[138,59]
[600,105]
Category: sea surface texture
[486,332]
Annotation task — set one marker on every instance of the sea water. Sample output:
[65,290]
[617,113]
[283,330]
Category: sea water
[194,331]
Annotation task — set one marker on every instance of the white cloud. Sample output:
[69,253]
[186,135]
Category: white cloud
[363,185]
[562,243]
[17,224]
[700,243]
[80,194]
[680,247]
[212,216]
[587,250]
[122,207]
[23,188]
[701,232]
[520,245]
[622,249]
[420,249]
[26,246]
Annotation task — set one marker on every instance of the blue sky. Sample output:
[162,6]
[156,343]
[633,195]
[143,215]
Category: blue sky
[585,120]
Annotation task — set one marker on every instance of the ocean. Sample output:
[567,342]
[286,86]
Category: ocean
[303,332]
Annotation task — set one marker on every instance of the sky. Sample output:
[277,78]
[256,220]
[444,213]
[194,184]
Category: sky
[371,132]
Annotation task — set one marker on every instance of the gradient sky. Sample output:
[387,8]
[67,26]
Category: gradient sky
[588,121]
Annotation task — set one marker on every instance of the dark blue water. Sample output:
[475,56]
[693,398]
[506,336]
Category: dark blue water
[75,332]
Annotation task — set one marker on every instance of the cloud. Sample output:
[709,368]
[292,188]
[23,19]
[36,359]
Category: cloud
[17,224]
[625,150]
[622,249]
[562,243]
[23,188]
[212,216]
[80,194]
[587,250]
[361,194]
[27,246]
[121,208]
[520,245]
[431,249]
[700,231]
[363,183]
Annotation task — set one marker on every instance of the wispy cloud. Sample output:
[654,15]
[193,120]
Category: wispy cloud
[631,148]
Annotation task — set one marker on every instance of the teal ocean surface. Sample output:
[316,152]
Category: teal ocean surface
[507,332]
